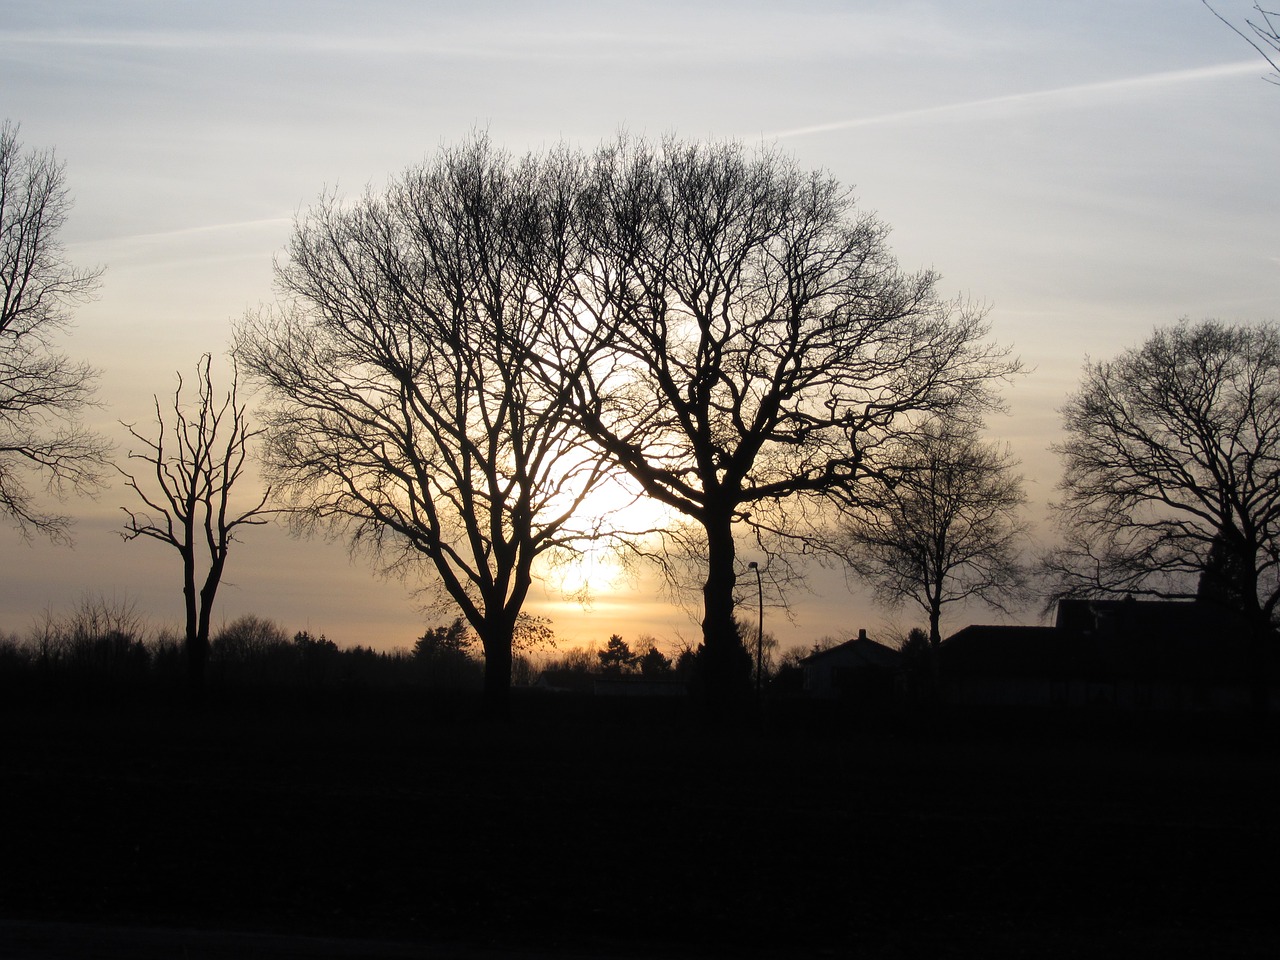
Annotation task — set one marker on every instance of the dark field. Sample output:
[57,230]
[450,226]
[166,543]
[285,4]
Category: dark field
[591,828]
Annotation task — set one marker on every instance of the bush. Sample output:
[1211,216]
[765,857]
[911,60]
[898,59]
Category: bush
[251,649]
[101,640]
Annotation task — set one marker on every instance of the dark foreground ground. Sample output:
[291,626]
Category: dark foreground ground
[383,824]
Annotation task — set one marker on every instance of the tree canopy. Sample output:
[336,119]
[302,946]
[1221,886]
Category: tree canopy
[42,392]
[747,348]
[946,526]
[458,362]
[1171,469]
[403,409]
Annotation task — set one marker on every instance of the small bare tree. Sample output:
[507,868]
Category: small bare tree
[948,526]
[42,392]
[196,460]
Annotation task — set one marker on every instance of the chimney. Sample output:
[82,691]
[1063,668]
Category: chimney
[862,634]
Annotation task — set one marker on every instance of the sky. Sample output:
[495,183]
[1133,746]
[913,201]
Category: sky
[1089,170]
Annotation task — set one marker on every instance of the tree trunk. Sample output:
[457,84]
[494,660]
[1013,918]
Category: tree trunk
[935,633]
[197,664]
[1261,638]
[1259,624]
[197,643]
[497,632]
[935,658]
[725,665]
[497,641]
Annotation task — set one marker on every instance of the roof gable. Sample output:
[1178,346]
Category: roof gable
[860,650]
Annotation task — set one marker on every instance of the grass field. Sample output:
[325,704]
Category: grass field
[589,827]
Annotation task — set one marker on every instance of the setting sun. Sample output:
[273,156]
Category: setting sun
[616,513]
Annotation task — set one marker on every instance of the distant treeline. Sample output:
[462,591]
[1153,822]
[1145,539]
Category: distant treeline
[104,641]
[107,641]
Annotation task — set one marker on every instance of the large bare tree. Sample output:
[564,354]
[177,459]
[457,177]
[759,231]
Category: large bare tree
[747,349]
[1171,473]
[42,392]
[195,460]
[403,406]
[946,525]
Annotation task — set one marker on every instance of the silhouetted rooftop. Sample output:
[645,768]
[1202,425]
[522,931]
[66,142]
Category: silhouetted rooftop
[1111,639]
[860,649]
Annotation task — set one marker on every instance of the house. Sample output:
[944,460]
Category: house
[1123,654]
[860,669]
[1000,665]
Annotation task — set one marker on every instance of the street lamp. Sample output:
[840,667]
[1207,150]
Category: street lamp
[760,630]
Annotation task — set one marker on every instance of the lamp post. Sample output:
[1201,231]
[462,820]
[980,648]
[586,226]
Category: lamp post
[760,625]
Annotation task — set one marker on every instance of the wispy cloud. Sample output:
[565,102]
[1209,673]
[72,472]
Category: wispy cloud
[550,32]
[208,230]
[168,245]
[1077,93]
[457,45]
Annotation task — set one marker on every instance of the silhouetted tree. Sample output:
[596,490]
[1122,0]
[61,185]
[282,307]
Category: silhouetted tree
[1171,473]
[1223,576]
[946,525]
[252,647]
[1263,34]
[404,409]
[310,646]
[249,636]
[42,392]
[444,653]
[686,665]
[919,663]
[745,346]
[655,664]
[196,461]
[451,641]
[316,656]
[617,657]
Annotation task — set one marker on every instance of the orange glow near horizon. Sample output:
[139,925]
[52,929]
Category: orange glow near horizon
[596,593]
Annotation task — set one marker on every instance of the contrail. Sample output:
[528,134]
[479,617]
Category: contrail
[1084,89]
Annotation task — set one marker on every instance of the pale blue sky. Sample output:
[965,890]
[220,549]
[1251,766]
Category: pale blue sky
[1089,169]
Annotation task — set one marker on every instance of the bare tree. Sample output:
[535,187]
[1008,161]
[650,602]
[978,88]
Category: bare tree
[196,460]
[946,527]
[1171,473]
[1262,33]
[405,411]
[42,392]
[747,348]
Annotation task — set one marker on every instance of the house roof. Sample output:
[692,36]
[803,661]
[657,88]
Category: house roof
[1112,639]
[1012,651]
[860,651]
